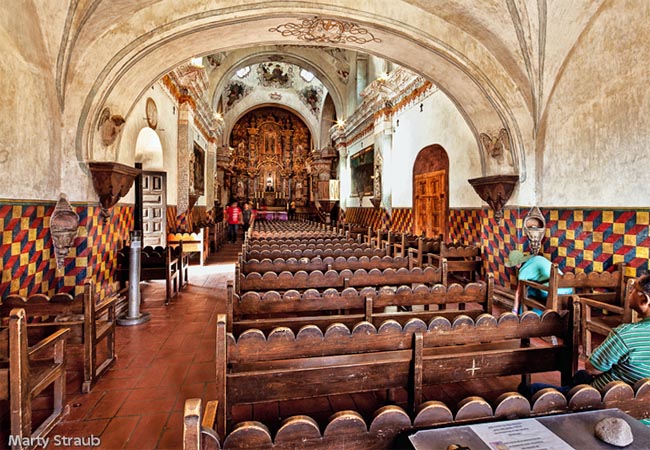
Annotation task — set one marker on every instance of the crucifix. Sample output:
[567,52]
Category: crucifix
[473,368]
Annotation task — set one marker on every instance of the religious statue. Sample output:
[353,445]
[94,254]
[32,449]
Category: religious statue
[269,186]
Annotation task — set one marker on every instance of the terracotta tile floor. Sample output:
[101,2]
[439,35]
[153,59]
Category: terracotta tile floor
[138,404]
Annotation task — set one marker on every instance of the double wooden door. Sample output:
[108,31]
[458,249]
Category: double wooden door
[429,203]
[154,207]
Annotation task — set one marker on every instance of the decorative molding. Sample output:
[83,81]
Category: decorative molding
[326,31]
[111,181]
[64,224]
[495,190]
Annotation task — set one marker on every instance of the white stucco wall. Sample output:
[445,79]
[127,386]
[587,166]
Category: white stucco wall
[167,131]
[595,138]
[30,129]
[438,123]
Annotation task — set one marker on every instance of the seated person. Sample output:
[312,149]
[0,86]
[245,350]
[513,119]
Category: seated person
[624,355]
[531,268]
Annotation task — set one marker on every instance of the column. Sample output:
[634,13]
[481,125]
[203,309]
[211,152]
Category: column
[183,148]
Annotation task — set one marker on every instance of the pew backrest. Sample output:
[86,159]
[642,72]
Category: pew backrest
[348,429]
[25,372]
[91,322]
[257,367]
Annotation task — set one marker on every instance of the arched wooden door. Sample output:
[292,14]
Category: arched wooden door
[429,203]
[431,192]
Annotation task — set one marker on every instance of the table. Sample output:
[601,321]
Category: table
[575,429]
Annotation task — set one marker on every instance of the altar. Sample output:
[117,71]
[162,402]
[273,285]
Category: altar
[272,215]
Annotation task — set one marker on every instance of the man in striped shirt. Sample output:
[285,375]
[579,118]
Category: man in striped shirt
[625,354]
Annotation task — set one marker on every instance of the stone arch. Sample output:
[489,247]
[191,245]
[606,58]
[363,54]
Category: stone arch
[148,150]
[486,100]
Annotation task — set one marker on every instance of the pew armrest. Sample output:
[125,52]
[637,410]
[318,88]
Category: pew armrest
[49,341]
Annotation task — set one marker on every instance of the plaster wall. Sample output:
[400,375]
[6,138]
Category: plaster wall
[438,123]
[167,131]
[596,126]
[30,129]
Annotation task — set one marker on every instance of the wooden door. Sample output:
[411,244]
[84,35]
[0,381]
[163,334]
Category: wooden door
[429,205]
[154,206]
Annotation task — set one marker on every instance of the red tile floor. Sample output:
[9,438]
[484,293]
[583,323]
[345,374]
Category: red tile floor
[138,403]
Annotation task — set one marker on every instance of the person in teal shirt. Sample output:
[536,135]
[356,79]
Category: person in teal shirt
[531,268]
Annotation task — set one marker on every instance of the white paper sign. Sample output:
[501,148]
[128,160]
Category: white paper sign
[526,434]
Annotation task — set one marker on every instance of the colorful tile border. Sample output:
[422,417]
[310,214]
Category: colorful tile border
[579,240]
[27,255]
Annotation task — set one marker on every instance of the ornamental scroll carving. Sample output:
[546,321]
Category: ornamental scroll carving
[330,31]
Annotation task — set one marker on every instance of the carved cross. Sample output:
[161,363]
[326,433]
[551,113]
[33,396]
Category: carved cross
[473,368]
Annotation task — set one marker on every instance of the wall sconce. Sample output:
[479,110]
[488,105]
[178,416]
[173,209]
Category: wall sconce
[495,191]
[111,181]
[535,228]
[64,224]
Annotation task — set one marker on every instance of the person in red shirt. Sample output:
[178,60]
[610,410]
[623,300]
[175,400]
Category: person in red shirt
[234,217]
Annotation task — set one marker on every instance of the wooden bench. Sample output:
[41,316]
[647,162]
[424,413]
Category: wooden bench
[601,317]
[608,287]
[192,243]
[268,310]
[91,323]
[218,233]
[347,429]
[323,264]
[156,263]
[416,247]
[464,263]
[313,252]
[26,371]
[301,241]
[317,279]
[358,230]
[305,246]
[281,365]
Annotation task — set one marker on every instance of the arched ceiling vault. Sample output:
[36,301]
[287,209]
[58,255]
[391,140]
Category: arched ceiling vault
[490,57]
[289,55]
[245,106]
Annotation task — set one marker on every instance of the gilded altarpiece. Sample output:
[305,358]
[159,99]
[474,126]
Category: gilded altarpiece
[270,161]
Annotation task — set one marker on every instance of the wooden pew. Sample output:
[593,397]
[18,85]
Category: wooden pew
[156,263]
[25,372]
[91,323]
[268,310]
[250,242]
[608,287]
[339,263]
[317,279]
[464,263]
[192,243]
[347,429]
[601,317]
[284,366]
[356,250]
